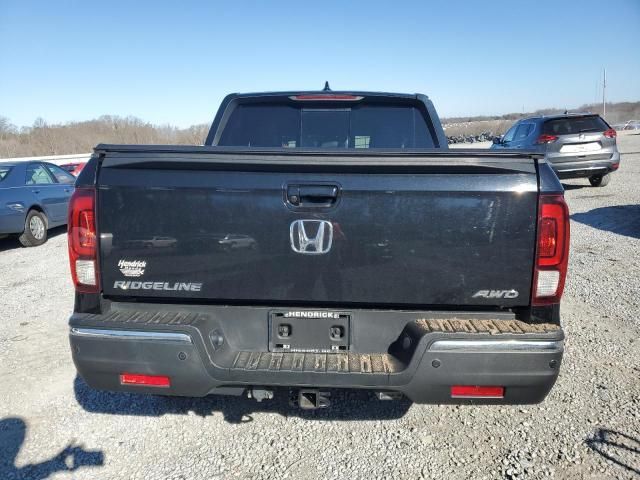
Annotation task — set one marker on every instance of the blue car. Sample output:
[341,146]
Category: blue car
[34,197]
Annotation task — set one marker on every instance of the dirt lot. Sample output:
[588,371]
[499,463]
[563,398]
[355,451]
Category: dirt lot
[52,425]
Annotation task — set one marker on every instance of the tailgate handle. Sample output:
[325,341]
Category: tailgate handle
[312,195]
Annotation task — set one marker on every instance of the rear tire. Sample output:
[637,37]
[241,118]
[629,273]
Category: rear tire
[600,180]
[35,229]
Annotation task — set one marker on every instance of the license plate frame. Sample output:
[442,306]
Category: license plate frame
[310,331]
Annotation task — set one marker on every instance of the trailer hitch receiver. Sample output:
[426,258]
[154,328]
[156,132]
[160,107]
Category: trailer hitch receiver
[311,399]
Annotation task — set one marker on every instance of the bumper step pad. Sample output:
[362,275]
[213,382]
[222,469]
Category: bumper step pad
[491,327]
[374,363]
[162,317]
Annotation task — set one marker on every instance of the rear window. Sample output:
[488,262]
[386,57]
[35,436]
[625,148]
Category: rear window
[361,126]
[572,125]
[4,171]
[523,131]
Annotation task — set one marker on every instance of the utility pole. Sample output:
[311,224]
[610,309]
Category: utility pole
[604,92]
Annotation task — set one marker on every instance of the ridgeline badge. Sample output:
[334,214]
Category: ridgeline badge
[132,268]
[165,286]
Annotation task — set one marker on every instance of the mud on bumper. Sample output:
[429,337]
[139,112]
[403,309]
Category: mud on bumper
[419,354]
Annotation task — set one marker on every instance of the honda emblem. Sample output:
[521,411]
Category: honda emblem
[311,237]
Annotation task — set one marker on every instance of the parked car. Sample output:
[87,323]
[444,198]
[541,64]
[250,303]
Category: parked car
[34,197]
[383,260]
[231,241]
[159,242]
[575,145]
[73,168]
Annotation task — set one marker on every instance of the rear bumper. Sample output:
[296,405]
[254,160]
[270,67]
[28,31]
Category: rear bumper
[428,357]
[11,221]
[582,167]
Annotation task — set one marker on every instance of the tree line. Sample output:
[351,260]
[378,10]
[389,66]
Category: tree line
[80,137]
[616,113]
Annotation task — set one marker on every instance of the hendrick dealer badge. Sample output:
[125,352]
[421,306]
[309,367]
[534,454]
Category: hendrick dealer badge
[132,268]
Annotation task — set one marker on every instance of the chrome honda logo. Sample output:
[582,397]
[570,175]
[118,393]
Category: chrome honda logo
[311,237]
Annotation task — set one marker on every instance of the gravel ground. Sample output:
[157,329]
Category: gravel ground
[53,426]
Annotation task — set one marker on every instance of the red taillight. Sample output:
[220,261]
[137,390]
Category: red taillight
[146,380]
[327,97]
[476,391]
[82,237]
[546,139]
[547,238]
[611,133]
[552,252]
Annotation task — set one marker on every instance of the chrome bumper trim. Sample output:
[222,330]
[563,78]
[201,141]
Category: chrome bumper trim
[131,335]
[496,345]
[583,169]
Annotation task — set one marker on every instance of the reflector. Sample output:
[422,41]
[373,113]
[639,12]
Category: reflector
[476,391]
[146,380]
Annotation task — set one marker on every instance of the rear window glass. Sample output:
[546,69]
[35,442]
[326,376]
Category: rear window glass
[37,175]
[325,128]
[569,126]
[4,171]
[523,131]
[361,126]
[61,175]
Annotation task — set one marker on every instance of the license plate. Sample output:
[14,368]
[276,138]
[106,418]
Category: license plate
[581,147]
[309,331]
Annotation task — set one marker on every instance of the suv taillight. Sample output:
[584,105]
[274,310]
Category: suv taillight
[83,242]
[552,250]
[544,138]
[611,133]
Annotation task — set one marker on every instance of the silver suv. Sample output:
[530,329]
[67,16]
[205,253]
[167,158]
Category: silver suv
[575,145]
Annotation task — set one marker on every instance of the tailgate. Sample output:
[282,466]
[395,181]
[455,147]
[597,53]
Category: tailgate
[428,231]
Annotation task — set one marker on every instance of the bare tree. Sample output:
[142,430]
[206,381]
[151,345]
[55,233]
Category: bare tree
[6,128]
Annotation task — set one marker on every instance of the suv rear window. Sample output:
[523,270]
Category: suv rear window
[572,125]
[361,126]
[4,171]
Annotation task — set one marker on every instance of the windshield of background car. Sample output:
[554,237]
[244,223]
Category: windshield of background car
[4,172]
[574,125]
[358,126]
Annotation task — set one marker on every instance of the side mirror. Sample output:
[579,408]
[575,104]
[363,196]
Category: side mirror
[498,140]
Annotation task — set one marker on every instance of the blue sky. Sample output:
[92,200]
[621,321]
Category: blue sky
[172,62]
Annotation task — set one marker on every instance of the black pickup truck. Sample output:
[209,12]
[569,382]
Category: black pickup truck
[319,240]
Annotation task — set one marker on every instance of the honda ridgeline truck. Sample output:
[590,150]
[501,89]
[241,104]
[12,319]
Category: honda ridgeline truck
[319,240]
